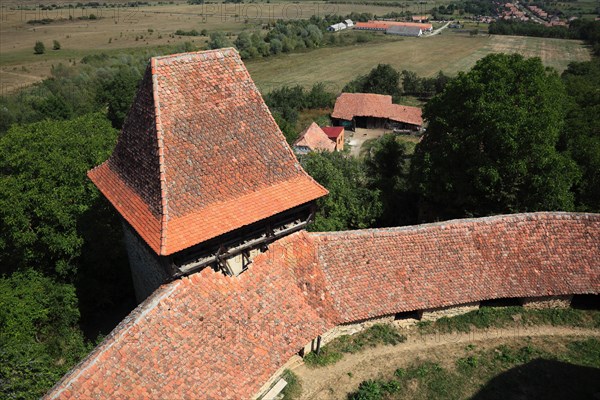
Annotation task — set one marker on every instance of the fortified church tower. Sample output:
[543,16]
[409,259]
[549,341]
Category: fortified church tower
[201,174]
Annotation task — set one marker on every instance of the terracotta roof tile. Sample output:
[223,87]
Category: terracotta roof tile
[315,138]
[204,337]
[209,336]
[385,271]
[421,25]
[349,105]
[197,141]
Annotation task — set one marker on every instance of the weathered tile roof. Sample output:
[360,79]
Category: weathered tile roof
[315,138]
[350,105]
[207,336]
[215,337]
[200,154]
[385,271]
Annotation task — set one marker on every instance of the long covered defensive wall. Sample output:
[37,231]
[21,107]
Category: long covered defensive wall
[217,337]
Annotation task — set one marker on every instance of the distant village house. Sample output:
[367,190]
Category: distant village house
[340,26]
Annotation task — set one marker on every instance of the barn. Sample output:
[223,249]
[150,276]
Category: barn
[336,27]
[414,31]
[373,111]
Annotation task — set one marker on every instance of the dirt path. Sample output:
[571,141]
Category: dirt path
[437,31]
[335,382]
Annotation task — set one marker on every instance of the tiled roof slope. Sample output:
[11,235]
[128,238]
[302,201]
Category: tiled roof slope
[214,337]
[377,272]
[200,154]
[315,138]
[207,336]
[333,132]
[349,105]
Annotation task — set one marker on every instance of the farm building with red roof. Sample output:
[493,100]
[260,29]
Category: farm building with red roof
[335,133]
[313,138]
[368,110]
[201,159]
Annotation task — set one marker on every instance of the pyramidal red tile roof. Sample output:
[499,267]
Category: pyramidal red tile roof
[350,105]
[315,138]
[209,336]
[200,154]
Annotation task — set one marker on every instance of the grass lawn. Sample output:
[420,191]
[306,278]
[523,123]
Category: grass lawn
[552,353]
[551,369]
[449,52]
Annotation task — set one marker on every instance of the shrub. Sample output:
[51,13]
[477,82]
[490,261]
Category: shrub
[56,45]
[39,48]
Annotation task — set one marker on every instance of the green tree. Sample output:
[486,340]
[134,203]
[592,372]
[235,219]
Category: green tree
[39,339]
[582,129]
[39,48]
[118,93]
[244,45]
[44,190]
[350,203]
[218,40]
[491,143]
[383,79]
[55,45]
[388,167]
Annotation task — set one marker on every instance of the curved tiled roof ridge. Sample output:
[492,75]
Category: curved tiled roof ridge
[200,154]
[216,337]
[538,215]
[375,272]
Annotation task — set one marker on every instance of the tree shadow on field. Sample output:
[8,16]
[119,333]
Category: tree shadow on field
[543,379]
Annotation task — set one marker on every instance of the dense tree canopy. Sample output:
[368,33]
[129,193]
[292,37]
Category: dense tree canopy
[383,79]
[350,203]
[582,130]
[387,165]
[39,339]
[491,142]
[44,190]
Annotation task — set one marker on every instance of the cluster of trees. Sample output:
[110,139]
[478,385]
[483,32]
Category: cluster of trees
[578,29]
[97,82]
[286,36]
[62,259]
[384,79]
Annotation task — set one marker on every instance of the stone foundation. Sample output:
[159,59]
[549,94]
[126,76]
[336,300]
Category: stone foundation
[353,328]
[437,313]
[405,323]
[547,302]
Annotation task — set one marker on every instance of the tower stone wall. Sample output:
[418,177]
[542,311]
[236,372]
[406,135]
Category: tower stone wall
[148,270]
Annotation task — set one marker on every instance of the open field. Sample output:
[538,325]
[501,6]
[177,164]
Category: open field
[147,28]
[126,29]
[450,53]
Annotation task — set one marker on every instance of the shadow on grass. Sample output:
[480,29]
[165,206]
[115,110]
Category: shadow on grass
[543,379]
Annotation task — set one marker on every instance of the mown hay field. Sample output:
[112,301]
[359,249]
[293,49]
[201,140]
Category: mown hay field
[147,28]
[448,52]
